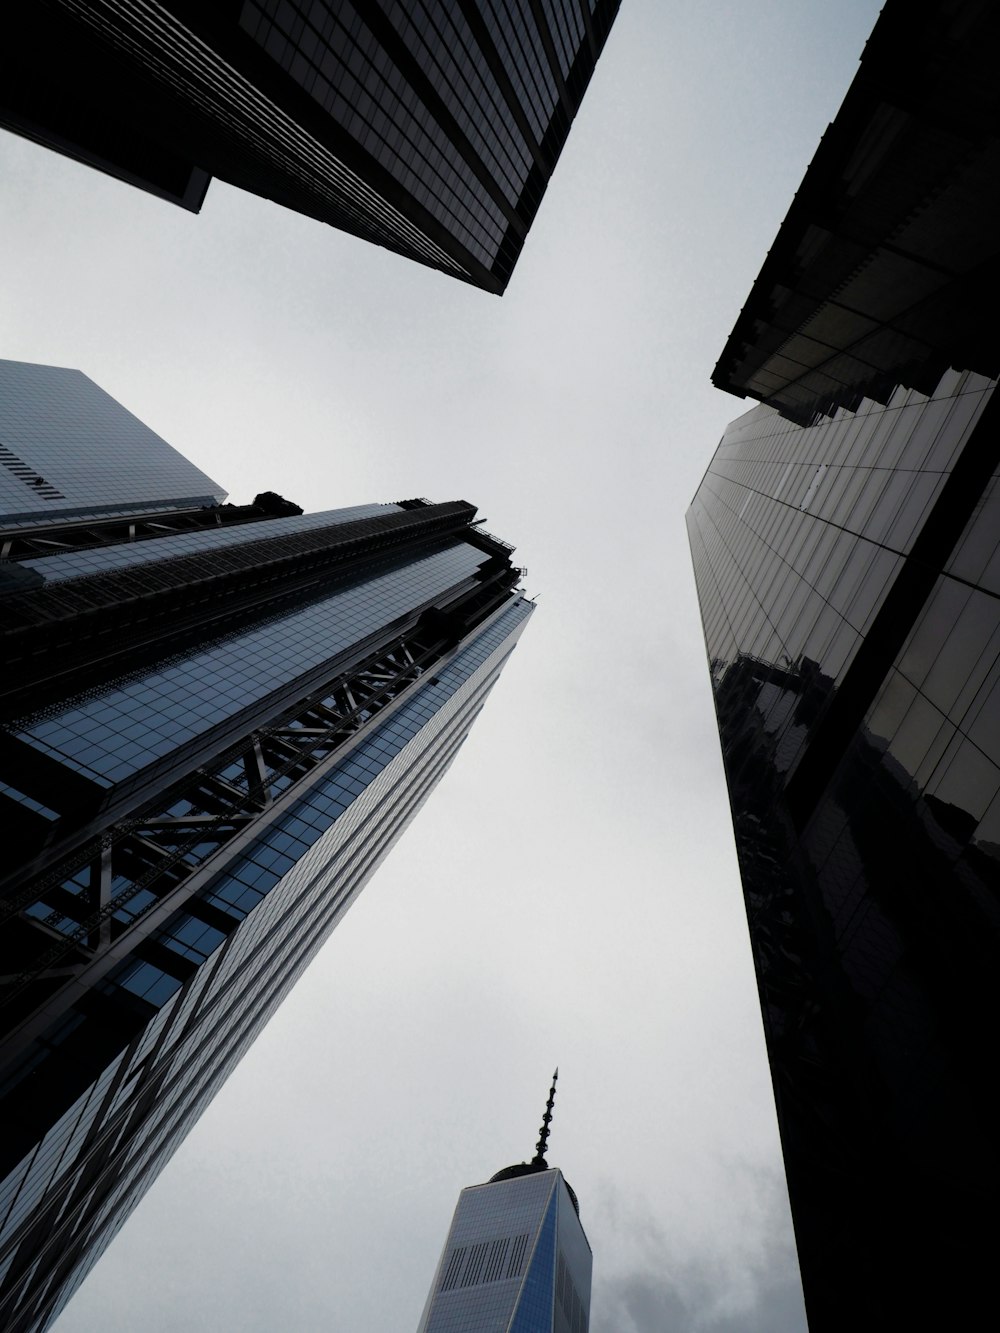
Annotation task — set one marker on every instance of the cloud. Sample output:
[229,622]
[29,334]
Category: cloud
[753,1288]
[643,1303]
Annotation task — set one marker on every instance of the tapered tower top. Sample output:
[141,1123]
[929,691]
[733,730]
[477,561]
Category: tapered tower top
[516,1256]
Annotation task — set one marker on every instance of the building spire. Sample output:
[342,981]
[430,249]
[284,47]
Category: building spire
[538,1161]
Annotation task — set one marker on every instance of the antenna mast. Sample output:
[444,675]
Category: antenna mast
[538,1160]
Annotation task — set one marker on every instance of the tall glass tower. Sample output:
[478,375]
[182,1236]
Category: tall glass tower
[217,721]
[430,127]
[516,1259]
[846,545]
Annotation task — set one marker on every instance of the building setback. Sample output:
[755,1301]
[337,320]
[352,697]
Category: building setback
[516,1259]
[430,127]
[217,721]
[846,547]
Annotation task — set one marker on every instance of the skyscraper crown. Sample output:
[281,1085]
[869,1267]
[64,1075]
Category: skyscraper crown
[538,1162]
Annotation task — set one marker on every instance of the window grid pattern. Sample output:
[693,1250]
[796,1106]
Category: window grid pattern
[566,27]
[444,46]
[40,488]
[342,66]
[113,735]
[90,452]
[798,532]
[516,37]
[936,724]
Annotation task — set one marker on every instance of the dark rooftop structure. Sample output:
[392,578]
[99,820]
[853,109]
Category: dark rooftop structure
[886,269]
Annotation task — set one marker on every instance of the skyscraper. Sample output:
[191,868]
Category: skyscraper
[218,720]
[516,1259]
[846,548]
[430,127]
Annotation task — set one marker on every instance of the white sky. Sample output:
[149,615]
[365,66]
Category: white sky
[570,894]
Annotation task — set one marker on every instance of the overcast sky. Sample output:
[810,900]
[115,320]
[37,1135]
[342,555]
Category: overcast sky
[569,894]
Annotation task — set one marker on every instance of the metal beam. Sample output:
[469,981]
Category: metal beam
[145,849]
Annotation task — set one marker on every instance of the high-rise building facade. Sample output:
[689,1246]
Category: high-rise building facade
[430,127]
[516,1259]
[846,546]
[855,658]
[68,451]
[217,722]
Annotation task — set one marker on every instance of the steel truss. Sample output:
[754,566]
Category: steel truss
[84,533]
[153,861]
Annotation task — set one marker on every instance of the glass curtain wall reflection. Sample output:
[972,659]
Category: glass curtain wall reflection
[215,726]
[849,580]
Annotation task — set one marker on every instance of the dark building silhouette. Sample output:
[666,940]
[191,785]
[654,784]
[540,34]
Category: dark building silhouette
[216,721]
[855,651]
[846,546]
[516,1257]
[430,127]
